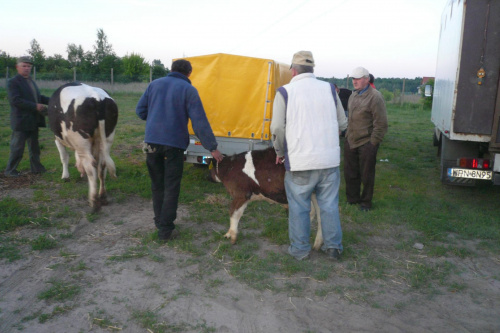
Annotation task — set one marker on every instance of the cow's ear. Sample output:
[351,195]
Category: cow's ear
[211,165]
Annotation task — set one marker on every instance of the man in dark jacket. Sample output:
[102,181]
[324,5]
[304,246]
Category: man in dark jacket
[167,105]
[27,107]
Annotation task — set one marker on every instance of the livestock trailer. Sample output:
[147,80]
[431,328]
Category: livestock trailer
[466,102]
[237,93]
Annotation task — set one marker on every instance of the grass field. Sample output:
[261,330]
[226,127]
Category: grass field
[410,206]
[407,193]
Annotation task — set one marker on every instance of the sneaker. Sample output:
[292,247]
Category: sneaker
[165,237]
[333,253]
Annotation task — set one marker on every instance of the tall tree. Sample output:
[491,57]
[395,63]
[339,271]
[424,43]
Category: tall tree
[75,54]
[7,61]
[36,53]
[134,66]
[159,69]
[102,48]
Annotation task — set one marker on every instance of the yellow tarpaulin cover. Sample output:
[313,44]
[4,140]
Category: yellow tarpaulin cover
[238,92]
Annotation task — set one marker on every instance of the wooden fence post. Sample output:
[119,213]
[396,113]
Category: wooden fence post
[402,93]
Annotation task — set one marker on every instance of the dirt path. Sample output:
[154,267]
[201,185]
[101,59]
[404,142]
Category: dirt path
[171,289]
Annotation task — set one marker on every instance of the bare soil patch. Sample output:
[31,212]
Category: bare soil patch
[181,292]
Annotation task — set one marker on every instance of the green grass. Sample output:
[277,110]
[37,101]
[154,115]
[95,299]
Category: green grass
[101,319]
[410,206]
[9,250]
[60,291]
[150,321]
[44,242]
[14,214]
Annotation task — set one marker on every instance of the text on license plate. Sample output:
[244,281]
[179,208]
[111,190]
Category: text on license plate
[468,173]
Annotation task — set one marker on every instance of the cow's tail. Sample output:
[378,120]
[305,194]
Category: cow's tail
[106,143]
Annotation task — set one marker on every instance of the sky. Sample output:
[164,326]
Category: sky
[391,38]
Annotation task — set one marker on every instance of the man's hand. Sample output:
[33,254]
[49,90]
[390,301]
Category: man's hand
[280,160]
[42,109]
[217,155]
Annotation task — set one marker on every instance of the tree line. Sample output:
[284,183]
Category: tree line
[95,65]
[394,85]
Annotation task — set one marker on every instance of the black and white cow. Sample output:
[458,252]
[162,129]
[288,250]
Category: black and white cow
[251,176]
[84,118]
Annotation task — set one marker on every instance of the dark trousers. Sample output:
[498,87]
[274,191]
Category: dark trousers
[165,167]
[359,168]
[17,143]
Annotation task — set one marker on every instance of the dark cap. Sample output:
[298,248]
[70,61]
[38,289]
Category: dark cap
[24,59]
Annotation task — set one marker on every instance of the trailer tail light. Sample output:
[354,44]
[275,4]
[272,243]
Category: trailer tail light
[475,163]
[203,159]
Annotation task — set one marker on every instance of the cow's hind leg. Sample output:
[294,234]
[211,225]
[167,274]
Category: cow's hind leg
[90,166]
[101,171]
[238,207]
[315,211]
[63,153]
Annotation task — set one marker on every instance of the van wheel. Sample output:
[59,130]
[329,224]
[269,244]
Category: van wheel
[435,140]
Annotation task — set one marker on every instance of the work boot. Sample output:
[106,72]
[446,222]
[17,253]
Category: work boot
[333,253]
[164,237]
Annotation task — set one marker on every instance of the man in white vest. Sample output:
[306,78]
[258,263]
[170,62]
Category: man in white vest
[307,119]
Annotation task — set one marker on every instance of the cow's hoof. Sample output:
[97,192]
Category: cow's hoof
[95,208]
[232,236]
[65,179]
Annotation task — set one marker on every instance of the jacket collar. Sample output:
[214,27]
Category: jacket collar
[303,76]
[179,76]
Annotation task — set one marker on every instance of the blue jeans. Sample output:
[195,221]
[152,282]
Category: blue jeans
[299,186]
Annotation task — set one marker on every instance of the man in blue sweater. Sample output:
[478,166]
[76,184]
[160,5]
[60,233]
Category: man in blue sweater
[167,105]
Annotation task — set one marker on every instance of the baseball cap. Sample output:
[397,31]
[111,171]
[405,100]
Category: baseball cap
[359,72]
[24,59]
[303,58]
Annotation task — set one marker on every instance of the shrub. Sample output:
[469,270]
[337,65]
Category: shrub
[388,96]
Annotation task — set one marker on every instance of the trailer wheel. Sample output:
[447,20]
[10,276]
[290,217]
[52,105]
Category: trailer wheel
[435,140]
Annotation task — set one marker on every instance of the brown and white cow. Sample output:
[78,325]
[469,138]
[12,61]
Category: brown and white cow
[251,176]
[84,118]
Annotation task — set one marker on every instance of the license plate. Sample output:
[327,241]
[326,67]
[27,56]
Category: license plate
[468,173]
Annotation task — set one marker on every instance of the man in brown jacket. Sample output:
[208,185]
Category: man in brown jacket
[367,127]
